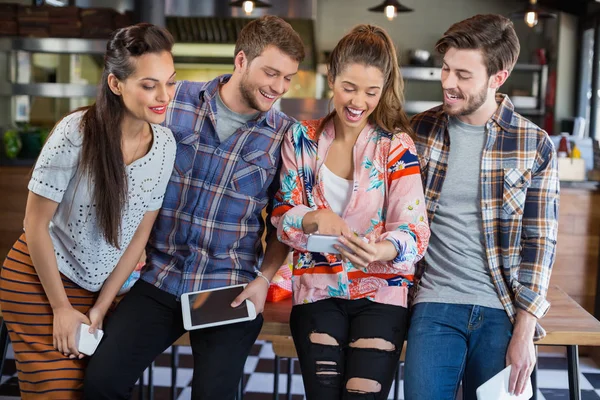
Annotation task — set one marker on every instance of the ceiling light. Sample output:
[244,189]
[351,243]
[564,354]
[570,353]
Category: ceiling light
[249,6]
[532,14]
[390,8]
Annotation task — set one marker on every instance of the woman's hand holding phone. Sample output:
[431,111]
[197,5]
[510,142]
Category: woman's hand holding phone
[326,222]
[67,321]
[363,252]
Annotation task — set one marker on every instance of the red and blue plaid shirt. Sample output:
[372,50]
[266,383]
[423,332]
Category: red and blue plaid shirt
[519,201]
[208,233]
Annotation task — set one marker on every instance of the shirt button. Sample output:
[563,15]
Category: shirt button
[218,152]
[485,178]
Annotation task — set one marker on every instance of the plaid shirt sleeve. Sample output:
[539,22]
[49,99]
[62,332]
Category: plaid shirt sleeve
[539,234]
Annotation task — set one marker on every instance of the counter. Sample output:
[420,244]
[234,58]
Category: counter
[575,270]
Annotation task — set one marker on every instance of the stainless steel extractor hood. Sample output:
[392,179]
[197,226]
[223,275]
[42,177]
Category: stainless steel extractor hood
[294,9]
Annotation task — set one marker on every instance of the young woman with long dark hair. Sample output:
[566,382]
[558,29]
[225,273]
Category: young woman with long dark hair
[94,195]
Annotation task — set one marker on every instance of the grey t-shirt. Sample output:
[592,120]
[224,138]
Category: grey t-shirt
[229,121]
[457,271]
[81,252]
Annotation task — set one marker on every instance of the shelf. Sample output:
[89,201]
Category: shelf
[417,106]
[53,45]
[530,112]
[421,73]
[529,67]
[58,90]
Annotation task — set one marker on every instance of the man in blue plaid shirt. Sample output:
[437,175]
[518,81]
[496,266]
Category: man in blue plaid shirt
[492,191]
[208,233]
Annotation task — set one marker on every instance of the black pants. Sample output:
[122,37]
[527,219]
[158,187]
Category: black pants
[326,369]
[145,323]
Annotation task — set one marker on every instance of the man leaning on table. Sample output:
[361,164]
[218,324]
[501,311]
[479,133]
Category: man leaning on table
[492,192]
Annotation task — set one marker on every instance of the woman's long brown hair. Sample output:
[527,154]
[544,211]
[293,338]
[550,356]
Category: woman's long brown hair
[371,46]
[101,155]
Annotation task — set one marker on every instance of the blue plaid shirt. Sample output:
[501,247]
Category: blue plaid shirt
[208,233]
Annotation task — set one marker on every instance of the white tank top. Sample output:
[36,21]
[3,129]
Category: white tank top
[337,190]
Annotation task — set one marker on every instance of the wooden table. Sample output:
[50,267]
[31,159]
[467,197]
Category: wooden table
[570,325]
[567,324]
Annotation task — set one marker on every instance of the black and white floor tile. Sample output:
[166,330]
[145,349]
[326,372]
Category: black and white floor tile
[258,377]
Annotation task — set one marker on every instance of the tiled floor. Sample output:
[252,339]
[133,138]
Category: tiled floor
[258,377]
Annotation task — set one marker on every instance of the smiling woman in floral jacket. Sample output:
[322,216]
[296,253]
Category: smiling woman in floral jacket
[353,174]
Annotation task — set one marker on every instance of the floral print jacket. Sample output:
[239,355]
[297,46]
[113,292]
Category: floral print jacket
[387,203]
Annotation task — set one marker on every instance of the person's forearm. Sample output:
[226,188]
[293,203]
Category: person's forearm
[117,277]
[41,250]
[275,255]
[309,222]
[386,251]
[127,262]
[524,325]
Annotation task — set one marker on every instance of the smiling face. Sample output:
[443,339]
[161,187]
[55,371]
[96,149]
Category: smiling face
[149,89]
[356,93]
[266,78]
[465,82]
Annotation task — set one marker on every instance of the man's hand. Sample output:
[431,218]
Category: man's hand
[256,292]
[521,352]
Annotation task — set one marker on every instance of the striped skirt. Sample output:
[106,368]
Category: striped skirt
[43,372]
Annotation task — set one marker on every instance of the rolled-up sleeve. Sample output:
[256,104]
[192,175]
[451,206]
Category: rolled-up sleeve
[539,234]
[406,224]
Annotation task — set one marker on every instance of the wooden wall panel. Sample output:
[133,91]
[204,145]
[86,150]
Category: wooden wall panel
[578,249]
[13,197]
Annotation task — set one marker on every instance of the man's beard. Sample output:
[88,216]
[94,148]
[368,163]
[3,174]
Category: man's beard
[473,104]
[246,90]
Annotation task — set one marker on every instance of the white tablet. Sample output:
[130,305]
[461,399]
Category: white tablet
[212,307]
[496,388]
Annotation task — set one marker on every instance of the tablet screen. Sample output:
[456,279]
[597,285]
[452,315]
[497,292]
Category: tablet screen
[215,306]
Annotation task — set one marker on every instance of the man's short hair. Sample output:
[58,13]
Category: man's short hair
[493,34]
[269,30]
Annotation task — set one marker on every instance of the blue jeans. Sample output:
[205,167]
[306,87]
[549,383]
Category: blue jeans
[450,342]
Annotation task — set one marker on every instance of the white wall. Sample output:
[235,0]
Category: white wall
[566,72]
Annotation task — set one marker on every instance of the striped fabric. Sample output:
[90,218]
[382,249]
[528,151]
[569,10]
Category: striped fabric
[519,201]
[43,372]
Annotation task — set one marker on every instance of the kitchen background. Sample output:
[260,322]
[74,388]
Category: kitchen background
[51,57]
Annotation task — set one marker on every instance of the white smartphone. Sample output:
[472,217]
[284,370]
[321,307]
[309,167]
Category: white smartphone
[86,341]
[323,244]
[496,388]
[207,308]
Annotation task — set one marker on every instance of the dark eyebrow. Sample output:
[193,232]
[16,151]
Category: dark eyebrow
[464,71]
[156,80]
[273,69]
[353,84]
[278,72]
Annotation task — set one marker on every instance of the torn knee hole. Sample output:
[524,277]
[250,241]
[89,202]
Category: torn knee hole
[323,338]
[326,368]
[362,385]
[375,343]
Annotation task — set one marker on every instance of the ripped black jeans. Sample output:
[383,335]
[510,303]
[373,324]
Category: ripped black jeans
[348,349]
